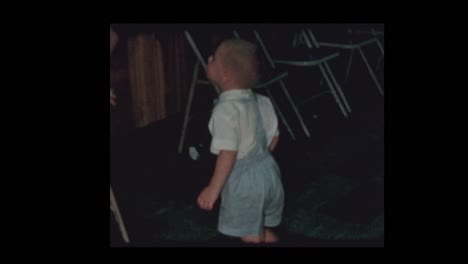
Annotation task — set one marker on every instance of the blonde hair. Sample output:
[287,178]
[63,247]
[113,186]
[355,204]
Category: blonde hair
[240,57]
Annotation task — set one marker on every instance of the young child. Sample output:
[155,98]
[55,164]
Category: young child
[244,129]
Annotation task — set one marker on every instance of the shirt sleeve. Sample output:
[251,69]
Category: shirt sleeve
[224,128]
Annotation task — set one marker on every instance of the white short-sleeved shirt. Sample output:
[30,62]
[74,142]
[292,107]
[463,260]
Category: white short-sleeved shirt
[232,123]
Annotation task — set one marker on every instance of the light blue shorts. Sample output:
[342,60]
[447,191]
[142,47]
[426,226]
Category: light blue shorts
[252,197]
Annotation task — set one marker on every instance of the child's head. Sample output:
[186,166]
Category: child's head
[234,65]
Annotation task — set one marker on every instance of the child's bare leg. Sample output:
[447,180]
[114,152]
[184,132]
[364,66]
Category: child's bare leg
[270,236]
[254,239]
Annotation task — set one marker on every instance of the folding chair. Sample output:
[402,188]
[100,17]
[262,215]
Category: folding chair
[349,41]
[372,31]
[118,217]
[318,57]
[196,80]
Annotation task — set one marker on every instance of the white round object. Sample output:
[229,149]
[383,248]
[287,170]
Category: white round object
[193,153]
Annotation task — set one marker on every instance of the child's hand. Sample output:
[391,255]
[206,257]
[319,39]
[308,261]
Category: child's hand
[207,198]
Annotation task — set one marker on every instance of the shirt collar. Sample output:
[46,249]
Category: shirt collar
[235,94]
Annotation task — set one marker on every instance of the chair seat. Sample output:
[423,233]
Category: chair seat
[304,56]
[368,30]
[342,36]
[270,78]
[350,43]
[345,38]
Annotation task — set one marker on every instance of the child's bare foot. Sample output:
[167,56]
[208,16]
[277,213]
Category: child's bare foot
[270,236]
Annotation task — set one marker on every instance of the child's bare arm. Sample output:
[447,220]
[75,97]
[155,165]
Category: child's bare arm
[273,143]
[224,164]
